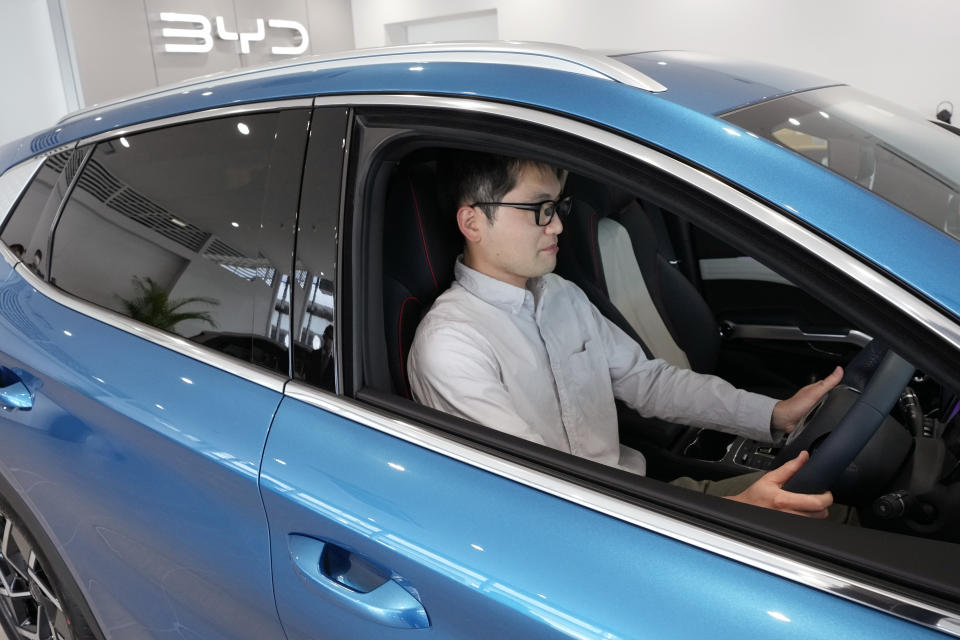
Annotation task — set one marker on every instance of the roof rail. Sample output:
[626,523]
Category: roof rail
[598,63]
[534,54]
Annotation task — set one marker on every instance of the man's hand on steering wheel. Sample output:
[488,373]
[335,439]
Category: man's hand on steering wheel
[788,413]
[768,491]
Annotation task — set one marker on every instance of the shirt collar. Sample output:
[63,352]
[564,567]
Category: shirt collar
[493,291]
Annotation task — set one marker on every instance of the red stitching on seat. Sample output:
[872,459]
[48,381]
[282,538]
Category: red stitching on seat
[403,364]
[423,237]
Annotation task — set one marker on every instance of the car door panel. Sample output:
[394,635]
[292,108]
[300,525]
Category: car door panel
[767,322]
[488,557]
[138,458]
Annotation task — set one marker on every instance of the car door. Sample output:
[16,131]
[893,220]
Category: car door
[387,522]
[139,443]
[765,320]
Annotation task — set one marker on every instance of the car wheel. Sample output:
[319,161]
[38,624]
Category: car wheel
[32,602]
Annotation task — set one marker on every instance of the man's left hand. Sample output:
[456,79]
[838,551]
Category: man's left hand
[787,413]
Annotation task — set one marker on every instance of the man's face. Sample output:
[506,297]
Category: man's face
[513,248]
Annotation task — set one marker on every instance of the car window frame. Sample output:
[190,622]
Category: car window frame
[399,417]
[315,160]
[251,372]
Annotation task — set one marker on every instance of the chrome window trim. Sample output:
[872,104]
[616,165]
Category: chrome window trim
[272,381]
[870,278]
[24,179]
[8,255]
[88,153]
[206,114]
[338,379]
[794,570]
[13,182]
[896,604]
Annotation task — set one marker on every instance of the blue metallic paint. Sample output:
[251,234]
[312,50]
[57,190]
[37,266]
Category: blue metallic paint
[139,474]
[484,554]
[714,85]
[388,603]
[789,181]
[148,474]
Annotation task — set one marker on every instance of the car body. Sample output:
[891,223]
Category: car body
[153,486]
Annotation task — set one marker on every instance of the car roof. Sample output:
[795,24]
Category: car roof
[705,83]
[714,84]
[577,84]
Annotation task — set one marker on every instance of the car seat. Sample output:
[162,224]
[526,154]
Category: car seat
[622,248]
[420,244]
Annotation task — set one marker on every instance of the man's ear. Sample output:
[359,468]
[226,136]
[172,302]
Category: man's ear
[471,221]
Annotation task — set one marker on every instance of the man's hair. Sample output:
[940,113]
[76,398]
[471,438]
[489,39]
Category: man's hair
[469,176]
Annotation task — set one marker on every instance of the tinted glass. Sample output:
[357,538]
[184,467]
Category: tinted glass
[27,231]
[313,287]
[896,154]
[190,229]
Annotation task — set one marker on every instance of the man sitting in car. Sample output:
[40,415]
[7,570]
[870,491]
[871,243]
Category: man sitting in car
[519,349]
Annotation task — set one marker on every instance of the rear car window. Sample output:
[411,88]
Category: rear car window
[190,229]
[26,232]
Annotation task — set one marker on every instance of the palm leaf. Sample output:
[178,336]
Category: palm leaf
[153,306]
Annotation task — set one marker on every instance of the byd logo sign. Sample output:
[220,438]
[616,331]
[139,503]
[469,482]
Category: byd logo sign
[203,31]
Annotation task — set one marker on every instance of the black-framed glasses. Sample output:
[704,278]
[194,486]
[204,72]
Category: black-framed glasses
[545,209]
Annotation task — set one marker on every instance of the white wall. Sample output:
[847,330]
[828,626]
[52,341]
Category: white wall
[58,55]
[32,96]
[906,52]
[129,44]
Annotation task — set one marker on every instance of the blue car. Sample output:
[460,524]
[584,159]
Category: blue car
[208,293]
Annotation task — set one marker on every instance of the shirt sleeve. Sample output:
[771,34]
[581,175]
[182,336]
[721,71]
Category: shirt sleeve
[656,389]
[452,370]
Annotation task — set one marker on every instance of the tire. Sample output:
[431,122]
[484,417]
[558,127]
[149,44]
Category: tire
[33,601]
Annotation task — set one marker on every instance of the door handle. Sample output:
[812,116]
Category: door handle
[13,393]
[354,583]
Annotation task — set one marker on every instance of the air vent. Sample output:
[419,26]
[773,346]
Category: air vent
[102,185]
[72,165]
[220,249]
[133,205]
[45,141]
[57,161]
[238,264]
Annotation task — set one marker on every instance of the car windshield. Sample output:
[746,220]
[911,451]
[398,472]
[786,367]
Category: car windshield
[893,152]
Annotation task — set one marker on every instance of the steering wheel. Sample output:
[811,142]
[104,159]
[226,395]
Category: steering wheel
[846,418]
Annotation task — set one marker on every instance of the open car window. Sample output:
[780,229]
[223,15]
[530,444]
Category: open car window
[774,333]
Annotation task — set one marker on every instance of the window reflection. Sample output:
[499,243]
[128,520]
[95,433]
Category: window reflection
[27,231]
[189,229]
[314,354]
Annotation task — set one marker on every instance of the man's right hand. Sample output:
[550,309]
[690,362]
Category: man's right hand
[768,492]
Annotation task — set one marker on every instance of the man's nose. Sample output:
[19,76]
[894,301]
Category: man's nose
[555,226]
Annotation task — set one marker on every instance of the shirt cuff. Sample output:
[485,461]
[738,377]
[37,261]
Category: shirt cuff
[755,414]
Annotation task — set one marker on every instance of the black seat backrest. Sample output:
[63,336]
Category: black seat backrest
[579,256]
[420,244]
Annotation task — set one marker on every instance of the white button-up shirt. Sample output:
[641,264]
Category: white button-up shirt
[544,364]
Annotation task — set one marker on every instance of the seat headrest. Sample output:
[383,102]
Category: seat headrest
[420,244]
[420,240]
[603,199]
